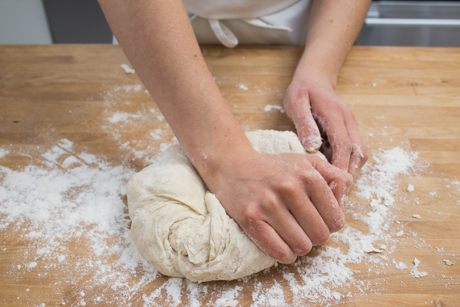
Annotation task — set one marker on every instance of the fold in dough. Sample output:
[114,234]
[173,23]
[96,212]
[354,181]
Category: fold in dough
[182,229]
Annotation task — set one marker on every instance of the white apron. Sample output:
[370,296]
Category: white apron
[249,21]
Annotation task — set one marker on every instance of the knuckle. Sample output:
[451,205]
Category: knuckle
[320,236]
[287,186]
[251,213]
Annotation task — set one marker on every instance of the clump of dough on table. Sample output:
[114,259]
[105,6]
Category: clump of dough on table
[182,229]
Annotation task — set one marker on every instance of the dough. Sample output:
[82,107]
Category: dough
[182,229]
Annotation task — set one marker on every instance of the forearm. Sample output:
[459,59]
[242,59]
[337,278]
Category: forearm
[158,39]
[333,27]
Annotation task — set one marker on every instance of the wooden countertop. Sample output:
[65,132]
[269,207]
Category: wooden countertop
[407,97]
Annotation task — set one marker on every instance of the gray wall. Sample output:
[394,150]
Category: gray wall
[23,22]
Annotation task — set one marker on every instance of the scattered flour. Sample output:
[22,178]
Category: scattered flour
[410,188]
[228,298]
[127,69]
[263,296]
[378,185]
[447,262]
[414,272]
[123,117]
[157,134]
[269,107]
[77,199]
[32,265]
[3,152]
[400,265]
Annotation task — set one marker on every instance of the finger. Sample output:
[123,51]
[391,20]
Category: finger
[327,193]
[288,228]
[338,180]
[307,130]
[265,237]
[306,215]
[340,142]
[359,154]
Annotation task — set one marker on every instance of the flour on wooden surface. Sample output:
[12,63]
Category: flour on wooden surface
[127,69]
[74,197]
[270,107]
[123,117]
[3,152]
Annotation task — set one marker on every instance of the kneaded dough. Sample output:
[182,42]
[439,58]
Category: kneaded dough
[182,229]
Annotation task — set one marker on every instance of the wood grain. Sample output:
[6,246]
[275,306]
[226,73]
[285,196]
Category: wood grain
[408,97]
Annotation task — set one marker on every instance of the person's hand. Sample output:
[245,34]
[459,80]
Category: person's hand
[308,100]
[285,203]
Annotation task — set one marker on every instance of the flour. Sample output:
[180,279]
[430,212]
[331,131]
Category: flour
[400,265]
[71,203]
[229,298]
[127,69]
[447,262]
[157,134]
[414,272]
[269,107]
[72,197]
[123,117]
[77,199]
[263,296]
[3,152]
[378,185]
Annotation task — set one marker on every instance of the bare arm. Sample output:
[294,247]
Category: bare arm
[281,201]
[334,26]
[158,39]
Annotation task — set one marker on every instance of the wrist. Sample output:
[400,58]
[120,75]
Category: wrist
[319,63]
[218,157]
[314,74]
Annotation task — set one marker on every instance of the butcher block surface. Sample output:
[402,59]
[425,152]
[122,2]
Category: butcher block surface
[78,98]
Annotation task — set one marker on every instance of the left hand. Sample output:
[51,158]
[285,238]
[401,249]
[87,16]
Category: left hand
[308,100]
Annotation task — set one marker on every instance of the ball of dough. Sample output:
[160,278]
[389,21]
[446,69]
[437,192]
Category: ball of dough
[182,229]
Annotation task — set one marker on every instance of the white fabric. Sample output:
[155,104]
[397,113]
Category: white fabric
[226,36]
[235,9]
[249,21]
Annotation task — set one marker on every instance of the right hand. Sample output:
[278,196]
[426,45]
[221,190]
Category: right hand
[285,203]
